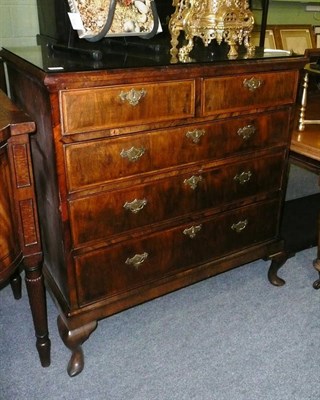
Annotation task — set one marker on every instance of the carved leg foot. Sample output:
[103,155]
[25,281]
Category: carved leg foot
[277,262]
[73,339]
[316,264]
[15,283]
[38,305]
[316,284]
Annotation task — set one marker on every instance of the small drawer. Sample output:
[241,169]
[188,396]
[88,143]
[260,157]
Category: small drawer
[111,271]
[100,161]
[100,216]
[229,94]
[126,105]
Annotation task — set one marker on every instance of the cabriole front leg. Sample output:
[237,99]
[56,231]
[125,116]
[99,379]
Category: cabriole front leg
[316,264]
[277,262]
[73,339]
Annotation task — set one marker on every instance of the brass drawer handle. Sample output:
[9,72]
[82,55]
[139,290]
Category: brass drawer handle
[193,181]
[247,131]
[252,84]
[192,232]
[137,260]
[243,177]
[195,135]
[239,226]
[135,206]
[133,96]
[133,154]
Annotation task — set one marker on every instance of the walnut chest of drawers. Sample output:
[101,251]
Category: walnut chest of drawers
[153,178]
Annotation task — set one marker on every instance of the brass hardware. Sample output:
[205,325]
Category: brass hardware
[244,177]
[192,232]
[252,84]
[193,181]
[133,96]
[247,131]
[230,21]
[195,135]
[133,154]
[135,206]
[239,226]
[137,260]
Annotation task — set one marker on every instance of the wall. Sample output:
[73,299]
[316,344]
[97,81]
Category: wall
[18,22]
[286,12]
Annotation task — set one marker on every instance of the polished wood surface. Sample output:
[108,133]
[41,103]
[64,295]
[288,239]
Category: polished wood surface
[213,144]
[273,90]
[144,188]
[84,110]
[19,234]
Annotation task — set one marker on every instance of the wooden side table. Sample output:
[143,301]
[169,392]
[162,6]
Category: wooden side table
[19,233]
[305,148]
[299,227]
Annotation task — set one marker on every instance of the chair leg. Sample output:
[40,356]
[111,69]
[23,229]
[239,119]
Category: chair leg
[303,103]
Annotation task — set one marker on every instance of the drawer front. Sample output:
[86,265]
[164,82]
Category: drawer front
[126,105]
[108,272]
[109,213]
[101,161]
[228,94]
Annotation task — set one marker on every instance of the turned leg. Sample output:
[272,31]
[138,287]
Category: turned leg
[174,42]
[277,262]
[73,339]
[37,299]
[303,103]
[186,49]
[15,283]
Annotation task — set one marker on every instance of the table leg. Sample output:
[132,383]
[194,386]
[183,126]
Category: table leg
[15,283]
[36,293]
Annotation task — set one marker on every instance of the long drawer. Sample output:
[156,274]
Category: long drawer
[121,268]
[100,161]
[230,93]
[113,212]
[94,109]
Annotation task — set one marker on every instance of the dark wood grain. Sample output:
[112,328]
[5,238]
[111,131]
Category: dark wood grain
[100,257]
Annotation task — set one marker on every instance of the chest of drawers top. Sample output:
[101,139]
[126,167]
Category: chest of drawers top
[144,103]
